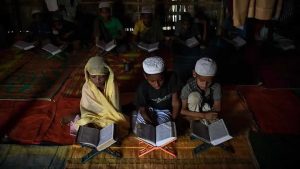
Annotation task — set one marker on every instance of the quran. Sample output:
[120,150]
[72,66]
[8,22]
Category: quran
[159,135]
[214,133]
[99,139]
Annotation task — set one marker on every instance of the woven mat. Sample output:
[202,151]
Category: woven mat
[11,60]
[212,158]
[40,78]
[33,157]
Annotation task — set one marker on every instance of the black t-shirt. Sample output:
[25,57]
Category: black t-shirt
[147,96]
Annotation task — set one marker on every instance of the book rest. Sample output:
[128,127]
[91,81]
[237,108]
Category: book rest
[205,146]
[94,152]
[147,148]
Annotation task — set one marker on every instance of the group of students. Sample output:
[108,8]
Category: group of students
[62,30]
[147,29]
[57,27]
[159,98]
[107,28]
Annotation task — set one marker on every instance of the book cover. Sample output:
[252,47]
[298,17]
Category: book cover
[157,135]
[192,42]
[52,49]
[99,139]
[107,46]
[149,47]
[214,133]
[24,45]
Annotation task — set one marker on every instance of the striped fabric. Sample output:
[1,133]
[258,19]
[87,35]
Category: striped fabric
[161,116]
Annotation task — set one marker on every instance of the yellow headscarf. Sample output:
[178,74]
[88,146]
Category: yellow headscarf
[96,107]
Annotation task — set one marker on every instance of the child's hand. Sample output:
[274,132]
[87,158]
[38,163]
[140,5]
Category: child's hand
[210,116]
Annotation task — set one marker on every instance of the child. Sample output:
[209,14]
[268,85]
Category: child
[107,27]
[99,104]
[157,97]
[39,29]
[147,29]
[185,57]
[62,32]
[201,96]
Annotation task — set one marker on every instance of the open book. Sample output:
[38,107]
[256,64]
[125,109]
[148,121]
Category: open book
[157,135]
[192,42]
[214,133]
[107,46]
[238,41]
[96,138]
[149,47]
[24,45]
[52,49]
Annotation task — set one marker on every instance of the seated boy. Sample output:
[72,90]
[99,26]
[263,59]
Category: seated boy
[185,57]
[147,29]
[107,27]
[201,96]
[39,29]
[157,97]
[99,104]
[63,34]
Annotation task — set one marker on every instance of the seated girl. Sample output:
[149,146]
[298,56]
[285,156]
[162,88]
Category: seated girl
[99,104]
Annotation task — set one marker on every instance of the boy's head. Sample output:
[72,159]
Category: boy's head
[57,20]
[204,72]
[153,71]
[146,15]
[97,71]
[105,10]
[36,14]
[186,21]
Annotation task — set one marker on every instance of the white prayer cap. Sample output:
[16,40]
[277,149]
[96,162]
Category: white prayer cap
[104,4]
[96,66]
[153,65]
[35,11]
[206,67]
[146,10]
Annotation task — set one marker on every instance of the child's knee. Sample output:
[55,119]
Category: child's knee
[194,101]
[194,98]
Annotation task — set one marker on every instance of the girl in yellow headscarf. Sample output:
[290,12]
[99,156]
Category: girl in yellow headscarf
[99,104]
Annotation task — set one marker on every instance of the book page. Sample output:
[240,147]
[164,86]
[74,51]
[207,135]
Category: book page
[143,45]
[106,137]
[165,133]
[88,136]
[101,45]
[218,132]
[52,49]
[23,45]
[192,42]
[238,41]
[200,131]
[110,45]
[146,132]
[153,46]
[148,47]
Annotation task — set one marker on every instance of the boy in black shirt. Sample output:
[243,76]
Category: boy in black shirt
[157,97]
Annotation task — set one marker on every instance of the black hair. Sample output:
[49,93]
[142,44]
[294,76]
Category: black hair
[186,16]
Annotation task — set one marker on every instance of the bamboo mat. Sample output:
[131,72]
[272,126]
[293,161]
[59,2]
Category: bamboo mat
[214,158]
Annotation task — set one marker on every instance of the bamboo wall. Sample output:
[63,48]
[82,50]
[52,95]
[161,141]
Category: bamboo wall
[168,11]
